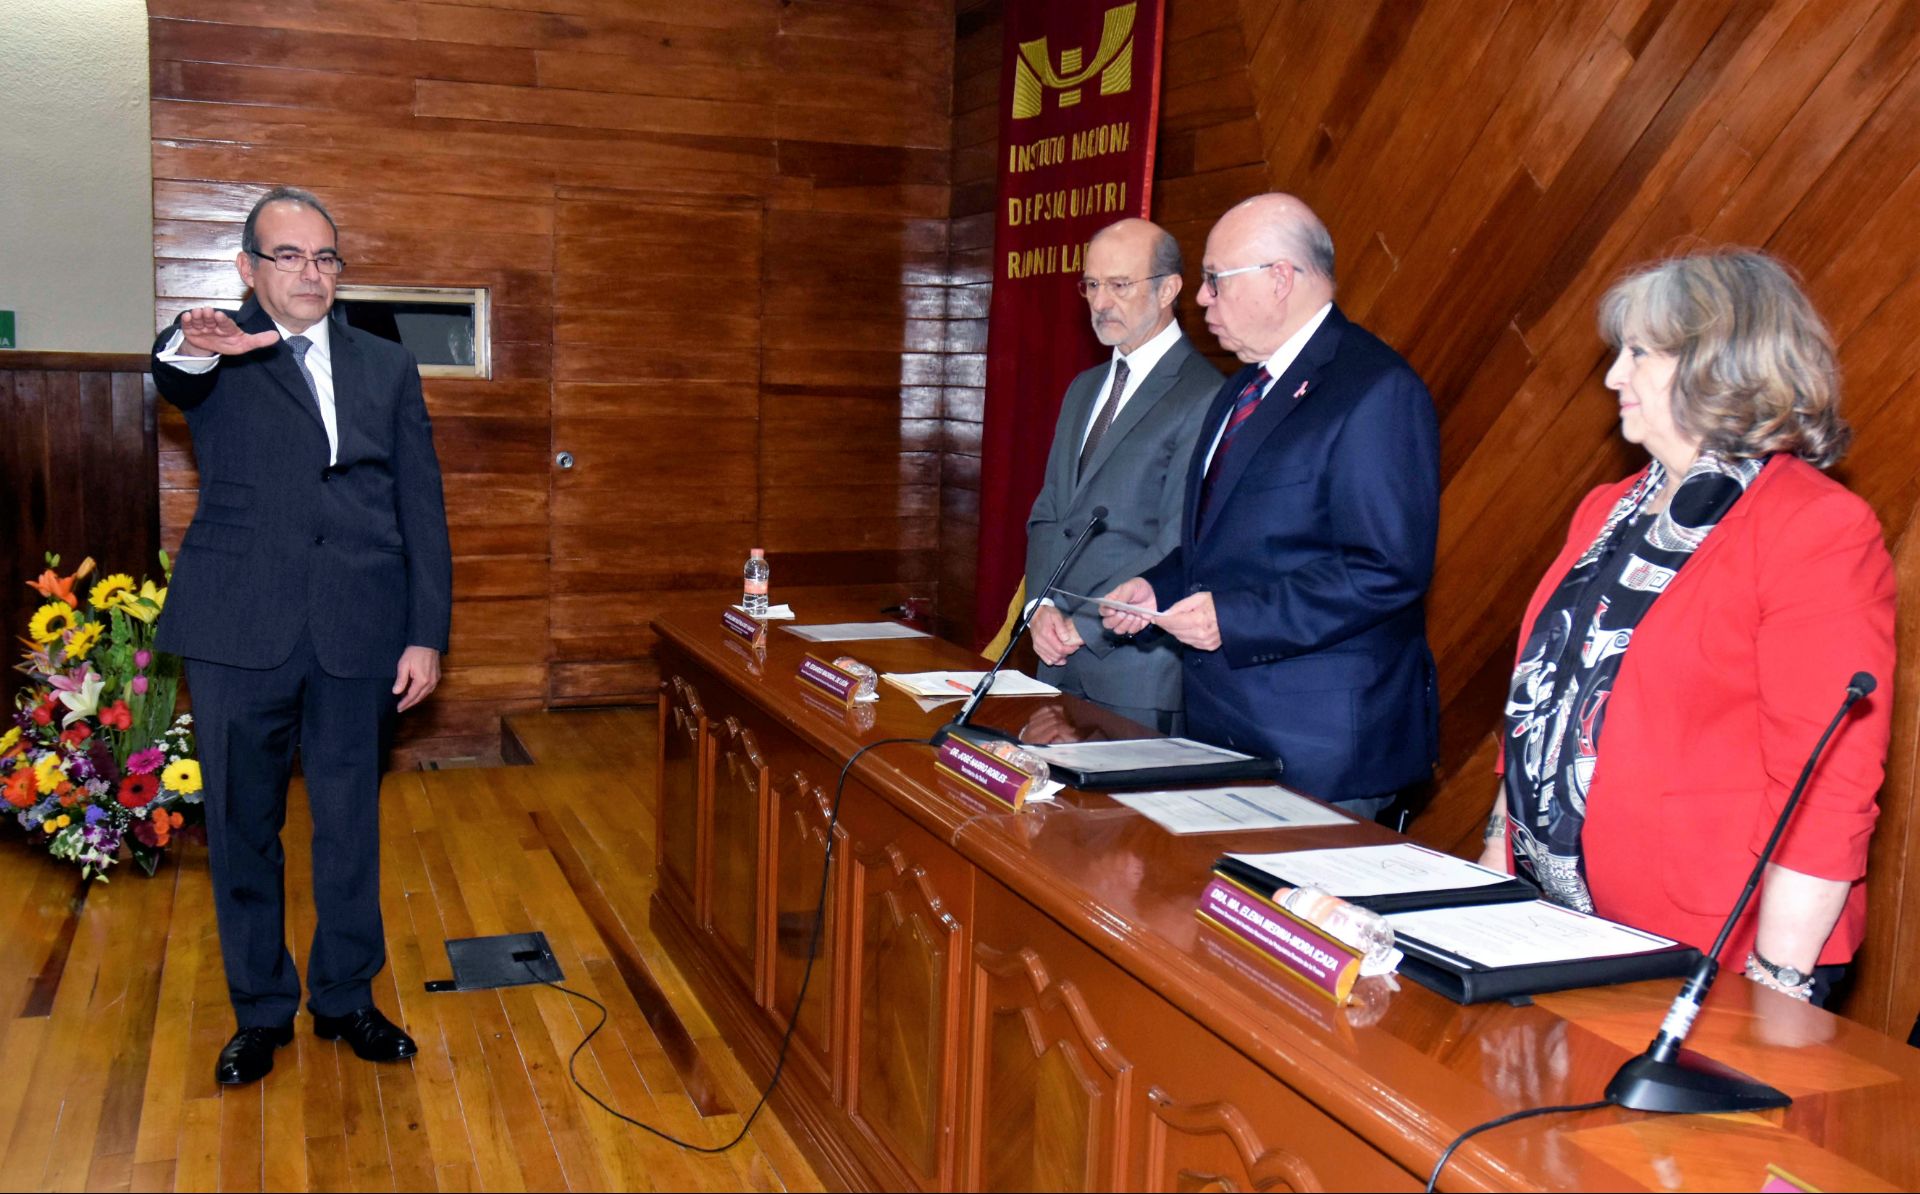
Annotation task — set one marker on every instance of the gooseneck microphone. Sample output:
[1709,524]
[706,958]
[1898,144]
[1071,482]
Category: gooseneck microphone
[964,718]
[1669,1078]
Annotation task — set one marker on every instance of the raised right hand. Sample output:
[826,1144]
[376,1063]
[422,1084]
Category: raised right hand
[209,331]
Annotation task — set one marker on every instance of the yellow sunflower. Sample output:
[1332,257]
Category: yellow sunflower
[111,591]
[83,640]
[51,621]
[47,773]
[182,777]
[9,740]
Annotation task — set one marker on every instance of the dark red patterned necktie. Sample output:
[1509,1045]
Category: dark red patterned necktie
[1243,408]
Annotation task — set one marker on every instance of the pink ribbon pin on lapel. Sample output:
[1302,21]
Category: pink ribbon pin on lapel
[1301,392]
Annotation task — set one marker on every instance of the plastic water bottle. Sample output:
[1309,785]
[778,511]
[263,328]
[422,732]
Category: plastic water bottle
[1020,759]
[755,599]
[869,679]
[1362,928]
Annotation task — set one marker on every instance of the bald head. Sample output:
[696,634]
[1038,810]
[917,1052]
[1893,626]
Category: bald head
[1131,278]
[1256,310]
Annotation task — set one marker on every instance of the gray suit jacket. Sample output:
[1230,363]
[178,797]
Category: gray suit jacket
[1139,474]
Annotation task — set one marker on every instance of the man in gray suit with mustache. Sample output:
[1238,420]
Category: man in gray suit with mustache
[1126,432]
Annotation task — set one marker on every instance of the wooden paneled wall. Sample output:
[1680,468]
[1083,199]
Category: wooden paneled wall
[716,240]
[76,478]
[1487,169]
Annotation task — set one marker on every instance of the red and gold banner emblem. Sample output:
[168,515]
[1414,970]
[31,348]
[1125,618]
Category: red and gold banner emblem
[1079,106]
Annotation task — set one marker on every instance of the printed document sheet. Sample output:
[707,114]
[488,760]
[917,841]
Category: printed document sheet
[1133,754]
[1357,871]
[1104,603]
[1221,810]
[954,686]
[1524,934]
[849,632]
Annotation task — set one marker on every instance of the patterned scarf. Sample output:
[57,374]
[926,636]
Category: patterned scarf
[1557,702]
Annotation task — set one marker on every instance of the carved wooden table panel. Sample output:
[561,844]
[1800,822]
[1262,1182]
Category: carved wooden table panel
[802,801]
[1028,1000]
[682,795]
[908,913]
[740,794]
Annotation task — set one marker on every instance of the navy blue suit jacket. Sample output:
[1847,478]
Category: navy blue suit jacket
[1318,546]
[281,542]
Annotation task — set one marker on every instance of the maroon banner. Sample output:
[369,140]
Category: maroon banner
[1079,108]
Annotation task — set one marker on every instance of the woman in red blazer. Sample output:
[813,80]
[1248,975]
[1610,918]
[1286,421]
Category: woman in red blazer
[1697,632]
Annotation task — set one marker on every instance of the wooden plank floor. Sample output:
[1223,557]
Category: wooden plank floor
[113,1007]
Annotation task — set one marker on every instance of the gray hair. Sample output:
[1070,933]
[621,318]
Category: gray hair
[249,235]
[1312,244]
[1167,260]
[1754,371]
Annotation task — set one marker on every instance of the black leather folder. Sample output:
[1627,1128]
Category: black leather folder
[1465,981]
[1513,891]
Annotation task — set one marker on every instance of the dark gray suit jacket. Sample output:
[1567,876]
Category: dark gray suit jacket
[1139,474]
[282,542]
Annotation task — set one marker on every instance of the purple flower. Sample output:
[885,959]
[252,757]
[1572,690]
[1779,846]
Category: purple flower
[142,658]
[146,762]
[95,814]
[140,686]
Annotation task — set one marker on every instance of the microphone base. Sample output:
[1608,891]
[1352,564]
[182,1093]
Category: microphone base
[1690,1084]
[969,730]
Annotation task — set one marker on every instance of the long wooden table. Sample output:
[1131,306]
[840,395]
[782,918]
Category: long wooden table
[1028,1000]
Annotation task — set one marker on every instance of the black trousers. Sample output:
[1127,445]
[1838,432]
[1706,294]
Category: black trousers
[248,723]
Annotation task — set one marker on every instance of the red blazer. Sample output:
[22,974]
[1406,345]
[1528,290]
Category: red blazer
[1729,681]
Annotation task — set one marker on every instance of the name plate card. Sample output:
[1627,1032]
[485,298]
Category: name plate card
[750,630]
[817,673]
[983,772]
[1317,959]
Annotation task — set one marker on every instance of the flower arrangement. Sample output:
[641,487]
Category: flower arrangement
[94,759]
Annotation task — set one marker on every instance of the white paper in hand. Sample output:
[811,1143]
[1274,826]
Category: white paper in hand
[1104,603]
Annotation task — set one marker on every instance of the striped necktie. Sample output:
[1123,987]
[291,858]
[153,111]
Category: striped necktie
[1243,408]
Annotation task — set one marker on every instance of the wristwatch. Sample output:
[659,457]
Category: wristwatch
[1786,976]
[1784,979]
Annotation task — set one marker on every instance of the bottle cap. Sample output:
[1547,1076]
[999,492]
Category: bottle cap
[757,553]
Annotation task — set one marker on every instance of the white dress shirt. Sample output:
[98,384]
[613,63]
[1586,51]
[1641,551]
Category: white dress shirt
[1277,366]
[319,363]
[1140,362]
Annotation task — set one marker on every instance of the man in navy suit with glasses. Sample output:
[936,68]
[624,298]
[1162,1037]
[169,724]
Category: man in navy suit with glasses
[1313,505]
[311,601]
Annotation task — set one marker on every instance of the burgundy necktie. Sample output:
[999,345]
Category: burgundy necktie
[1243,408]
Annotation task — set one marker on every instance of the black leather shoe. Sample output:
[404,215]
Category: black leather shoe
[372,1035]
[248,1057]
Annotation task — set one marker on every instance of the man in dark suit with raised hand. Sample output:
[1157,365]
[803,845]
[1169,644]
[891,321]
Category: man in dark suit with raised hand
[1312,513]
[1126,430]
[313,588]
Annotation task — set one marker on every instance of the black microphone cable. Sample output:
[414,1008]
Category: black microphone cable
[1433,1180]
[806,977]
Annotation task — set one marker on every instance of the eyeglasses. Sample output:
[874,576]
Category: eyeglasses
[1211,278]
[292,261]
[1119,288]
